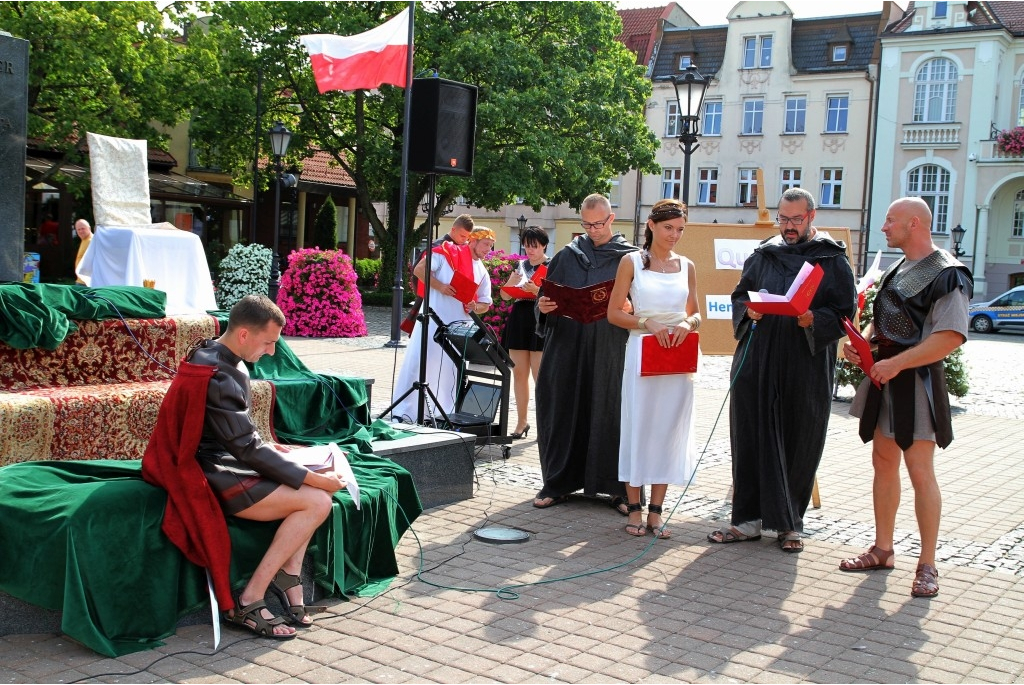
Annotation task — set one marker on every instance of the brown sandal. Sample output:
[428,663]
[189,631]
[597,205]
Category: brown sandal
[926,581]
[875,559]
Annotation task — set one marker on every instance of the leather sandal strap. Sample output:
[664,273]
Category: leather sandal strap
[286,581]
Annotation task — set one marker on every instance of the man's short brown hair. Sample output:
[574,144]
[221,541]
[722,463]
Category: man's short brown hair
[463,221]
[255,312]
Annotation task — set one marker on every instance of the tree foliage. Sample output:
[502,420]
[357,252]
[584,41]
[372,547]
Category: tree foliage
[115,68]
[560,108]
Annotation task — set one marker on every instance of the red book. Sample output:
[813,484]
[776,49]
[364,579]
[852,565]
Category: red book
[796,301]
[584,305]
[465,288]
[520,294]
[863,348]
[656,360]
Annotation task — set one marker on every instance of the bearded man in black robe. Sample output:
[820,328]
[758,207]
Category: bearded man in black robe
[579,385]
[782,377]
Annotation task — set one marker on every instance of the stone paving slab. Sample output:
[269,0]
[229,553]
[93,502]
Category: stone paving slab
[583,602]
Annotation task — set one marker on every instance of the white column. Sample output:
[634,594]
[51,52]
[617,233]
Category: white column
[981,252]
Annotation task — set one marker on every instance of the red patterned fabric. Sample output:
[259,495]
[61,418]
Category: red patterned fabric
[103,352]
[193,519]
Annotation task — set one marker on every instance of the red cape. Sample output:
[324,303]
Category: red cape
[459,258]
[193,519]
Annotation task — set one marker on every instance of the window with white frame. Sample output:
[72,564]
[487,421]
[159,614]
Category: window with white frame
[941,9]
[747,190]
[615,193]
[930,182]
[837,114]
[707,186]
[672,183]
[831,187]
[1020,105]
[796,114]
[789,178]
[757,52]
[712,118]
[839,53]
[753,116]
[935,91]
[1018,216]
[672,120]
[685,62]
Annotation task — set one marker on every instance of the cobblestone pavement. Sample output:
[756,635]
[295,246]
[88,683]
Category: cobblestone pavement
[584,602]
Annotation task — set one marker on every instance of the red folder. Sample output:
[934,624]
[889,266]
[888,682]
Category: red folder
[796,301]
[520,294]
[656,360]
[863,348]
[465,288]
[584,305]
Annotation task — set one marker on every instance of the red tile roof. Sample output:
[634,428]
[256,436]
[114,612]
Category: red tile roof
[640,30]
[322,168]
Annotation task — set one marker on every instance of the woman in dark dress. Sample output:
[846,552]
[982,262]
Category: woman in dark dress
[520,338]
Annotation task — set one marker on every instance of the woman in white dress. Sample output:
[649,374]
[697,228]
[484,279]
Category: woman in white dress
[656,445]
[442,374]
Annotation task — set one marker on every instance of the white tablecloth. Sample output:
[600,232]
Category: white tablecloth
[174,259]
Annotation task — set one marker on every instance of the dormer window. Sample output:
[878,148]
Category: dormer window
[941,8]
[685,62]
[839,53]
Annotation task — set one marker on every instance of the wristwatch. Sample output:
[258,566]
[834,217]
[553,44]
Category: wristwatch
[642,323]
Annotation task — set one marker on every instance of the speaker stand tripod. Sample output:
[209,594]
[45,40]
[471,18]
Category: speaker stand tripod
[421,387]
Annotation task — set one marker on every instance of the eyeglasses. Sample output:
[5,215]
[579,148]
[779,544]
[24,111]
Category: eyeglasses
[797,221]
[595,224]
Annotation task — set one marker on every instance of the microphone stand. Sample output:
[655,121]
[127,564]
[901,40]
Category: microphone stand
[421,386]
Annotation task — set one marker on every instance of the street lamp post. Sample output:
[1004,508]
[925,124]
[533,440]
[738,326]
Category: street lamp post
[521,222]
[280,137]
[690,88]
[958,239]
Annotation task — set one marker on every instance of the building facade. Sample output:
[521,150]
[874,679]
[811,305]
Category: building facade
[950,80]
[792,97]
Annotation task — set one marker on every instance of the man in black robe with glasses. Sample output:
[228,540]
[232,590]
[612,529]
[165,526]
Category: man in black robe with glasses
[579,385]
[782,377]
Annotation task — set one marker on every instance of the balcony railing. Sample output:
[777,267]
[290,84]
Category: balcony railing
[945,135]
[991,153]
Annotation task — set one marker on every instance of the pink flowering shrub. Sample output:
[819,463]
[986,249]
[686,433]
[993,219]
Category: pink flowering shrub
[499,266]
[1011,141]
[318,295]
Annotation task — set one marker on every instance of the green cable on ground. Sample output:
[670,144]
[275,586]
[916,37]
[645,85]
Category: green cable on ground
[508,592]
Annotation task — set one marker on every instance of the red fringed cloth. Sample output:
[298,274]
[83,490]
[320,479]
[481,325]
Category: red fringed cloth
[193,519]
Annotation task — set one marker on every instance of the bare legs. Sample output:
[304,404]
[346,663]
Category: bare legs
[301,512]
[885,457]
[526,363]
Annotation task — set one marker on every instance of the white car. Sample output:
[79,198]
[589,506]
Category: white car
[1005,311]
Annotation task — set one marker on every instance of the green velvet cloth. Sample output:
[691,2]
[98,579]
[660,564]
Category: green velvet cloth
[43,314]
[84,538]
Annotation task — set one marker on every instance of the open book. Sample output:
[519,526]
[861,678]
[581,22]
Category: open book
[797,299]
[584,305]
[517,291]
[327,458]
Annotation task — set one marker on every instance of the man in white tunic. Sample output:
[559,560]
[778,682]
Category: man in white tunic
[442,374]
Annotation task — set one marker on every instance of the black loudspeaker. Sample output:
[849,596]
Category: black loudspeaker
[443,127]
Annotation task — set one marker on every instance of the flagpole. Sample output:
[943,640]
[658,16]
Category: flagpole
[396,298]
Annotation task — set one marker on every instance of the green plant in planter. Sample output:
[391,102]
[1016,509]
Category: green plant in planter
[325,229]
[956,370]
[244,271]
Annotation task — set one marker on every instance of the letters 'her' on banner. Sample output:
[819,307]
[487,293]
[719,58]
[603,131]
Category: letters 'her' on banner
[364,61]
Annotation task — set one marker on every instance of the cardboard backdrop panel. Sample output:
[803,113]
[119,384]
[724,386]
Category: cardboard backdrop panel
[718,252]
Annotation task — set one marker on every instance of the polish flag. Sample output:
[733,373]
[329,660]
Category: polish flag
[363,61]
